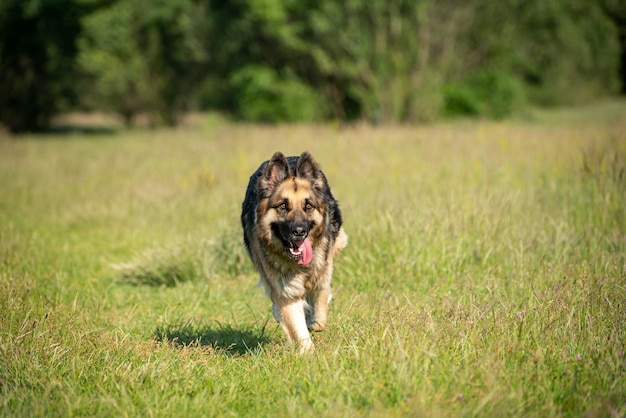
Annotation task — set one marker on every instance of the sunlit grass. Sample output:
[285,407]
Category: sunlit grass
[485,273]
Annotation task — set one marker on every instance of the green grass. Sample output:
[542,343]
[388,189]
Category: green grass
[485,273]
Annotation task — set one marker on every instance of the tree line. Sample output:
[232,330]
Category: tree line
[387,61]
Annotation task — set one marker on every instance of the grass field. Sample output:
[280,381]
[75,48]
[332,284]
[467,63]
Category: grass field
[485,273]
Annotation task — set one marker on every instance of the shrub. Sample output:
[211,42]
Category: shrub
[490,94]
[264,95]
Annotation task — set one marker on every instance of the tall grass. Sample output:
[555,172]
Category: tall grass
[485,273]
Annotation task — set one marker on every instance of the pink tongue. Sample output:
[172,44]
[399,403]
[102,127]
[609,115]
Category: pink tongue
[307,251]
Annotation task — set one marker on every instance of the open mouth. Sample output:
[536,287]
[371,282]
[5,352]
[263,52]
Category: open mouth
[300,251]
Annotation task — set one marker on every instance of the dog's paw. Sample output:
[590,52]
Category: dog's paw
[317,326]
[306,347]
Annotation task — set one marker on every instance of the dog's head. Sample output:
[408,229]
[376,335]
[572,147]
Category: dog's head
[293,214]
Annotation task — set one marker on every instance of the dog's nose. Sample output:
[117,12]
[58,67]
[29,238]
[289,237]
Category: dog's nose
[298,230]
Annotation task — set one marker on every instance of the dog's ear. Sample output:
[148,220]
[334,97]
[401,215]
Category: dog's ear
[308,169]
[276,170]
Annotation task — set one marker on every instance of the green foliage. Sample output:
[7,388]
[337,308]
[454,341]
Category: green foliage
[571,53]
[493,95]
[265,96]
[37,52]
[415,61]
[389,58]
[271,61]
[145,57]
[113,63]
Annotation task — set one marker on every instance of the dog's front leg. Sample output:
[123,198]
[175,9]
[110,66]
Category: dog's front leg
[319,300]
[293,322]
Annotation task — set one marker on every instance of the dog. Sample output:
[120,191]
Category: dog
[292,229]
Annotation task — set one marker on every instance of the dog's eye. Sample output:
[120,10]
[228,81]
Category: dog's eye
[308,207]
[282,206]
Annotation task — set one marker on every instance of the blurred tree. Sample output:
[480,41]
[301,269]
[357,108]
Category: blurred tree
[518,51]
[386,61]
[259,60]
[616,11]
[375,59]
[37,51]
[265,96]
[568,50]
[391,58]
[146,57]
[397,61]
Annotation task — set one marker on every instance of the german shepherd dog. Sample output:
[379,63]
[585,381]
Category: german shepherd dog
[292,229]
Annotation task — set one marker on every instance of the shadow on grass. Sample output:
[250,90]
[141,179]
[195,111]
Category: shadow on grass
[222,338]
